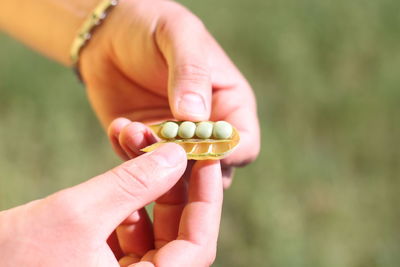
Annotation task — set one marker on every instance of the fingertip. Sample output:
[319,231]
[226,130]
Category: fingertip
[170,154]
[226,182]
[133,128]
[113,132]
[116,126]
[134,137]
[174,148]
[227,176]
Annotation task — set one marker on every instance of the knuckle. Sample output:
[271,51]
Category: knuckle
[131,179]
[192,72]
[179,20]
[111,129]
[191,21]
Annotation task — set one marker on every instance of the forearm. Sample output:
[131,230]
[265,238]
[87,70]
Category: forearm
[48,26]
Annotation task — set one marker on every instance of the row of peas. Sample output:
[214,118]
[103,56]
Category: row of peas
[203,130]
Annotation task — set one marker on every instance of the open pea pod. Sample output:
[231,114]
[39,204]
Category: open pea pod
[197,148]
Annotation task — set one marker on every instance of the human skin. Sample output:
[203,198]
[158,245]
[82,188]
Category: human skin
[163,59]
[71,227]
[150,61]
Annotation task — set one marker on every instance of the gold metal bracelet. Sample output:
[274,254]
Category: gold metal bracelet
[85,32]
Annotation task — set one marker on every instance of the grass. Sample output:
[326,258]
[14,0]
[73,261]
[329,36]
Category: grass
[325,189]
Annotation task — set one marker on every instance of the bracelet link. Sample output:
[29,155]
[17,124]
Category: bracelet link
[85,32]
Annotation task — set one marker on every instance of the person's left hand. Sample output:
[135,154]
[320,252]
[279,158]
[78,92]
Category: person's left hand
[154,60]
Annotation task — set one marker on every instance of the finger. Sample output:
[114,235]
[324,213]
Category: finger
[134,137]
[240,110]
[136,236]
[128,260]
[227,175]
[199,226]
[182,42]
[200,219]
[114,131]
[113,243]
[143,264]
[246,122]
[111,197]
[168,210]
[148,257]
[167,214]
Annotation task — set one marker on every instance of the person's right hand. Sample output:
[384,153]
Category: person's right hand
[71,227]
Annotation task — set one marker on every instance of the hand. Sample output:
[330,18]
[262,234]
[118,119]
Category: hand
[71,227]
[154,60]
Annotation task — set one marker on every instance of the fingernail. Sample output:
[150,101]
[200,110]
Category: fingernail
[192,104]
[169,155]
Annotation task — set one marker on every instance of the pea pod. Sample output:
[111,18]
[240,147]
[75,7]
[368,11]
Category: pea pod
[198,147]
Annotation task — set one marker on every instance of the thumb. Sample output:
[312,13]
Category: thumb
[111,197]
[182,42]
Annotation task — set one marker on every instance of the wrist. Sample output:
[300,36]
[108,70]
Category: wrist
[98,52]
[89,26]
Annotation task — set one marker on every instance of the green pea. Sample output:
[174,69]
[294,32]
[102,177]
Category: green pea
[187,129]
[204,129]
[222,130]
[169,130]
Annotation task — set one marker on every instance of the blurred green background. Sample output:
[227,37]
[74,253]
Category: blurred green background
[325,190]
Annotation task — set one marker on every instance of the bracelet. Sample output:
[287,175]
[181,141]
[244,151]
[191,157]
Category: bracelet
[85,32]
